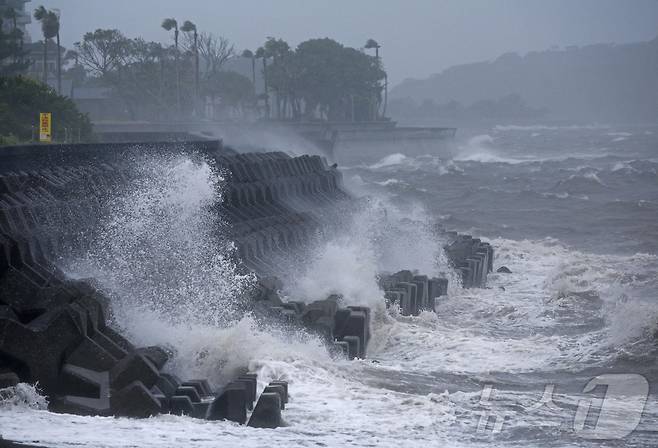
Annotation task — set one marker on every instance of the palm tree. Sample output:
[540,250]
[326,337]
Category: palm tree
[49,28]
[370,44]
[55,16]
[189,27]
[261,53]
[250,55]
[172,24]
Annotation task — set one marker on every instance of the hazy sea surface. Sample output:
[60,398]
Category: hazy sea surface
[571,210]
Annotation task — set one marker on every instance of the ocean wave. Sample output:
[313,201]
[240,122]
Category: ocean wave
[388,182]
[539,127]
[390,160]
[24,396]
[635,166]
[587,182]
[480,149]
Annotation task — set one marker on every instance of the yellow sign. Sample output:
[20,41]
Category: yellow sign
[45,127]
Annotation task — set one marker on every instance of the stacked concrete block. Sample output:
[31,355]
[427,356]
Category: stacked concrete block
[345,329]
[53,330]
[412,293]
[276,204]
[471,257]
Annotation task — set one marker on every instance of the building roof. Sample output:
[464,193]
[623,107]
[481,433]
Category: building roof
[36,48]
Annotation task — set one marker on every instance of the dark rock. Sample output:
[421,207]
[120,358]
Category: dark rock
[504,270]
[267,413]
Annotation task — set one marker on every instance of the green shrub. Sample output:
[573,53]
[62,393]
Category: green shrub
[21,101]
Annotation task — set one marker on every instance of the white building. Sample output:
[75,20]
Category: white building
[23,16]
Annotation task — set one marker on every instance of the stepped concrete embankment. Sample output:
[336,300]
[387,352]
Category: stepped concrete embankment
[54,330]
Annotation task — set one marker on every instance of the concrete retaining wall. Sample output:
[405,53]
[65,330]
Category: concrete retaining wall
[53,330]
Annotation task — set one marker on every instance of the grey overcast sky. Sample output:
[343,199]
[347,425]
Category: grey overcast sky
[418,37]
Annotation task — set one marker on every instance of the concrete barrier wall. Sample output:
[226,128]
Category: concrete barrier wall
[53,330]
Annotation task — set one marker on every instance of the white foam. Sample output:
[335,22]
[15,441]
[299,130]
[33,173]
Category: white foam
[480,149]
[380,237]
[540,127]
[388,182]
[22,396]
[390,160]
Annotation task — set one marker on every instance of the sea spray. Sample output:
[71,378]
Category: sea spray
[480,148]
[379,237]
[22,395]
[163,257]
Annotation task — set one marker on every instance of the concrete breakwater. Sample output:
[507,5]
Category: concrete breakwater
[54,330]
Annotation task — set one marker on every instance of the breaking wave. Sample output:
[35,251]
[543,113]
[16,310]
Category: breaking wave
[24,396]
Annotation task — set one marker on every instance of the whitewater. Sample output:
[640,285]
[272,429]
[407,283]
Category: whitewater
[572,211]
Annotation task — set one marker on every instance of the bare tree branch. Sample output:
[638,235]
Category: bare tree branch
[215,51]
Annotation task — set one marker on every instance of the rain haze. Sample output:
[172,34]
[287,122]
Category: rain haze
[334,223]
[418,37]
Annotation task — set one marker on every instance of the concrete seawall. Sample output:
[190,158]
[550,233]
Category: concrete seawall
[54,330]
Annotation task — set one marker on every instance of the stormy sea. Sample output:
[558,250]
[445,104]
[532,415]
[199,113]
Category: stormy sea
[560,352]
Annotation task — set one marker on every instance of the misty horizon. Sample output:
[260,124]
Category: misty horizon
[447,26]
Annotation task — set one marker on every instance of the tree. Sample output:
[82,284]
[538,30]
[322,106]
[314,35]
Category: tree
[12,55]
[21,100]
[102,51]
[370,44]
[143,82]
[279,51]
[261,54]
[190,28]
[59,57]
[215,51]
[49,28]
[248,54]
[234,90]
[172,24]
[340,82]
[76,73]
